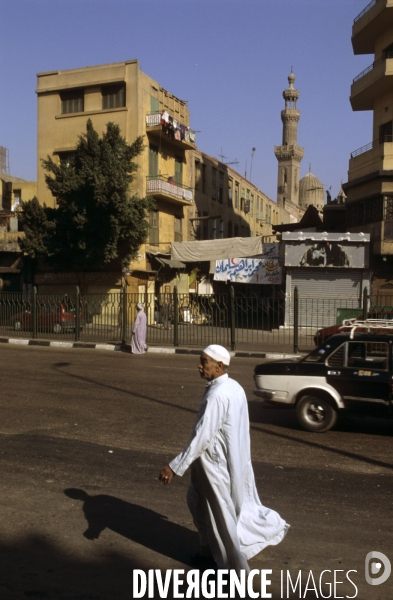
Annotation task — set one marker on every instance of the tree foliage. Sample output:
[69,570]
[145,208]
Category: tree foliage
[96,220]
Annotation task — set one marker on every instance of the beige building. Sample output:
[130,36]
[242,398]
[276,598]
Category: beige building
[369,188]
[228,205]
[123,94]
[13,190]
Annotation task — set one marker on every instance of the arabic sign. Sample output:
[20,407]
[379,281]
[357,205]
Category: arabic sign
[249,270]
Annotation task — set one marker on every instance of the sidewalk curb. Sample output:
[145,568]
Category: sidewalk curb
[151,349]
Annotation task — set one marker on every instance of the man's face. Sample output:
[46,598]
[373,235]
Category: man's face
[208,368]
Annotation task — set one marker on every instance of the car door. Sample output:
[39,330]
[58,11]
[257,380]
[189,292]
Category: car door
[360,371]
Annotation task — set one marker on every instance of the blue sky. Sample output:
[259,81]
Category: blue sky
[229,59]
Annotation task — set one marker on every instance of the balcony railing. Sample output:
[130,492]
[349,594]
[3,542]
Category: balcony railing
[171,127]
[365,10]
[386,139]
[161,185]
[369,68]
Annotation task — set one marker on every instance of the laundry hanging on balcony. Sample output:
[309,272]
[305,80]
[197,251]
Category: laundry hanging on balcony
[175,130]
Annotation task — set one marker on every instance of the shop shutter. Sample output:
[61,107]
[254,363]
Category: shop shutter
[323,292]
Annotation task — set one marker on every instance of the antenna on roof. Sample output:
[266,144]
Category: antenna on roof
[222,156]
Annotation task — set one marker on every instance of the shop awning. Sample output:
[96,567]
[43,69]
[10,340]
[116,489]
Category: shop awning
[173,264]
[208,250]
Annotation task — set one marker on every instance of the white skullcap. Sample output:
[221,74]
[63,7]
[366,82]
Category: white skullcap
[218,353]
[140,305]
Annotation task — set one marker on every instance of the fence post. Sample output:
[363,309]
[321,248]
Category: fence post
[77,316]
[34,312]
[233,319]
[365,299]
[124,315]
[175,317]
[295,320]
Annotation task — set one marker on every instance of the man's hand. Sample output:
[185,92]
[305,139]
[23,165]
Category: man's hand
[166,475]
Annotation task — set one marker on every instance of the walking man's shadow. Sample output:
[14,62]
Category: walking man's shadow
[137,523]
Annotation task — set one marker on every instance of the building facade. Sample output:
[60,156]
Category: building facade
[228,205]
[13,191]
[369,188]
[123,94]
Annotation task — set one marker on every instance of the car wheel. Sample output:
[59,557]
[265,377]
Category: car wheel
[17,325]
[315,414]
[57,328]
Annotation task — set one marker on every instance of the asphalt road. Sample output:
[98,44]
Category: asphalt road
[83,436]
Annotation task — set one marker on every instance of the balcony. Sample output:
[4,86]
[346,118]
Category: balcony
[372,83]
[162,189]
[371,158]
[370,24]
[162,125]
[9,240]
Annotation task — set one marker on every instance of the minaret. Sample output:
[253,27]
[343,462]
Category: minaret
[289,154]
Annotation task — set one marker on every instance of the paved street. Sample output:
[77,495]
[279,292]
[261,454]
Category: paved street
[83,436]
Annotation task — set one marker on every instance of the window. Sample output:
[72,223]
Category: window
[214,229]
[214,184]
[153,234]
[388,52]
[260,212]
[221,229]
[385,132]
[230,183]
[66,158]
[368,355]
[221,187]
[17,200]
[202,232]
[154,104]
[203,174]
[72,102]
[236,232]
[114,96]
[178,229]
[252,205]
[153,161]
[269,215]
[197,174]
[205,226]
[236,195]
[178,170]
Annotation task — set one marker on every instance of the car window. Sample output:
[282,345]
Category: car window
[370,355]
[336,359]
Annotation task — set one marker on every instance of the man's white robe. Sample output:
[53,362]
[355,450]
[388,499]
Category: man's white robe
[222,497]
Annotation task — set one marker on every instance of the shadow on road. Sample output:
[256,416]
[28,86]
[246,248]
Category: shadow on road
[37,568]
[137,523]
[285,418]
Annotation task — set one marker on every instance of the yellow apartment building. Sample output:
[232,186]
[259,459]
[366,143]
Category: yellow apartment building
[123,94]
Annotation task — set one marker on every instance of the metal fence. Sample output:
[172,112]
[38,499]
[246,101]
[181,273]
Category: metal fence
[235,321]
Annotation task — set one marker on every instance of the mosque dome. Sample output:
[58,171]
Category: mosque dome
[311,192]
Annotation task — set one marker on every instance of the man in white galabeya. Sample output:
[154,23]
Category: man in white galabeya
[233,525]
